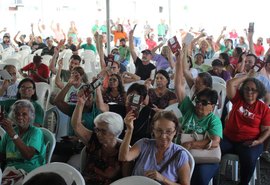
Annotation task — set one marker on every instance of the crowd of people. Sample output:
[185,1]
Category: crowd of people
[121,116]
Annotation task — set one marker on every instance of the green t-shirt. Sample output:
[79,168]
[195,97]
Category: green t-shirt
[34,138]
[39,112]
[190,122]
[202,68]
[89,47]
[95,28]
[103,29]
[223,49]
[124,53]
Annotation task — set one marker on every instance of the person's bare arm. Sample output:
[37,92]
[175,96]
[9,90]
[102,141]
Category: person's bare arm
[53,60]
[76,120]
[15,38]
[130,77]
[103,107]
[156,48]
[131,46]
[58,81]
[59,100]
[250,42]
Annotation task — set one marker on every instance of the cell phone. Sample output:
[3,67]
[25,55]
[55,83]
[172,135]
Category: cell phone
[134,26]
[5,75]
[251,27]
[174,44]
[152,75]
[134,104]
[259,64]
[188,39]
[268,40]
[87,89]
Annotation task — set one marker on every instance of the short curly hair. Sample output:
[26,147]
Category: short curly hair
[259,86]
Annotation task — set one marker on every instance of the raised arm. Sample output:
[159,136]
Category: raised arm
[58,81]
[157,47]
[53,60]
[15,38]
[131,46]
[76,120]
[59,100]
[103,107]
[126,153]
[220,36]
[233,84]
[179,77]
[250,42]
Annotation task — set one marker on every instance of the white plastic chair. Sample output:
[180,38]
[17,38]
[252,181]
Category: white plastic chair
[135,180]
[26,48]
[66,171]
[234,159]
[50,142]
[89,58]
[174,108]
[46,59]
[13,61]
[2,132]
[41,89]
[221,90]
[65,54]
[217,79]
[38,52]
[191,161]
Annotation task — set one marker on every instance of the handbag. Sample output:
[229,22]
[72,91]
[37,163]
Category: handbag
[207,155]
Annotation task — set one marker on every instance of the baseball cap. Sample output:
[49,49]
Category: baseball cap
[6,35]
[146,51]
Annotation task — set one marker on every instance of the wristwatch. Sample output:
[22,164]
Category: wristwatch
[16,136]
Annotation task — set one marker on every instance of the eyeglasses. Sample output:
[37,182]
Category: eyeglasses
[202,102]
[113,80]
[26,88]
[159,132]
[100,130]
[247,89]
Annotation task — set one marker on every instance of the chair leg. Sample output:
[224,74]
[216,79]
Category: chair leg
[235,170]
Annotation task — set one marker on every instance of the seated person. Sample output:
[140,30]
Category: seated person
[9,88]
[115,92]
[164,60]
[87,46]
[22,146]
[161,97]
[152,154]
[145,114]
[49,49]
[219,71]
[27,91]
[199,63]
[102,147]
[37,71]
[198,118]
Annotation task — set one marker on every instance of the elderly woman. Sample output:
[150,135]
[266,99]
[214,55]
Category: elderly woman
[102,166]
[161,97]
[22,146]
[152,154]
[115,92]
[248,123]
[27,91]
[199,119]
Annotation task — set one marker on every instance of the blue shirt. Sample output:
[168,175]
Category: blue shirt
[147,159]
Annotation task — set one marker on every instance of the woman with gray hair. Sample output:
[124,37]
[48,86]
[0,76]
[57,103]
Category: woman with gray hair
[22,146]
[102,145]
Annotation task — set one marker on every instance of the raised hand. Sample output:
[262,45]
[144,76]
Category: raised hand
[129,120]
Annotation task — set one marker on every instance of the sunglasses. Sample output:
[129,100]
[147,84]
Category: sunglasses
[202,102]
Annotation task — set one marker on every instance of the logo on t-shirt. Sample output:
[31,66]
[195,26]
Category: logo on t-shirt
[246,113]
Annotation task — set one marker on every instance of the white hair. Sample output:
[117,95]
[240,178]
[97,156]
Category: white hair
[114,121]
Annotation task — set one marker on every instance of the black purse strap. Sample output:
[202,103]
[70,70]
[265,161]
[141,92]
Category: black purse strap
[169,161]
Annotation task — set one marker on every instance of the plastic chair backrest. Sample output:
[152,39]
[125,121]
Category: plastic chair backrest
[135,180]
[25,47]
[217,79]
[38,52]
[69,173]
[191,161]
[221,90]
[2,132]
[174,108]
[41,89]
[50,142]
[46,59]
[12,61]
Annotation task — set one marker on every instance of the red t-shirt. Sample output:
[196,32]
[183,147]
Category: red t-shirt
[244,123]
[259,50]
[42,70]
[151,44]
